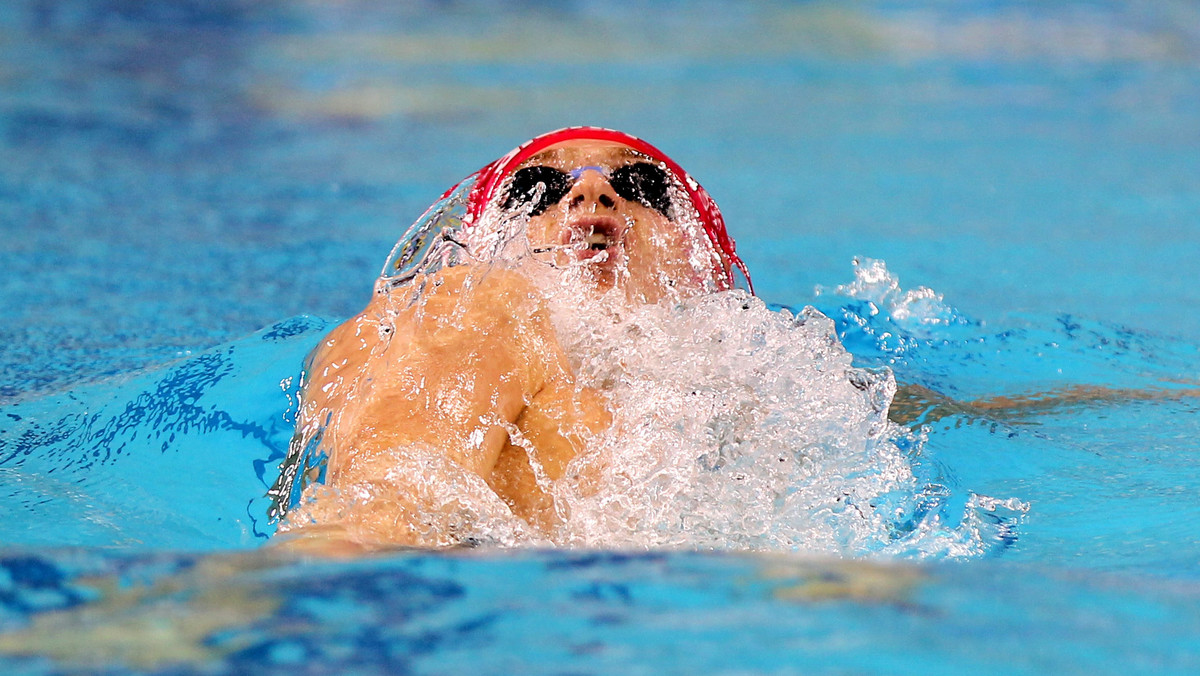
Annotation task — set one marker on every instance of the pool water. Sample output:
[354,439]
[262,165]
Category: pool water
[992,199]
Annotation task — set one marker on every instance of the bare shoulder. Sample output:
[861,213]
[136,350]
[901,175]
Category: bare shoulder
[480,288]
[441,300]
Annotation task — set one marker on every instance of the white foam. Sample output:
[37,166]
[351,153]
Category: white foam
[736,427]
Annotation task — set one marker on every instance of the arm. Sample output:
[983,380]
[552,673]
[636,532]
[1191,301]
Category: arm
[557,425]
[427,408]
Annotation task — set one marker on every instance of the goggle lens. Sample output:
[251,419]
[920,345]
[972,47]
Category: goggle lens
[642,182]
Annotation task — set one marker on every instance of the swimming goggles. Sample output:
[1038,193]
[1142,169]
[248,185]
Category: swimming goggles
[540,187]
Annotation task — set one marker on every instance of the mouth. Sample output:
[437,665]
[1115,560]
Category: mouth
[591,238]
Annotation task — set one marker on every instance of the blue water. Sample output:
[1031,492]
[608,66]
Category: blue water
[192,192]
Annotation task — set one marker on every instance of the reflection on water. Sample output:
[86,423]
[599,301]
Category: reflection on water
[594,611]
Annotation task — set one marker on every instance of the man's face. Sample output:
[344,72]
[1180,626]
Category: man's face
[613,225]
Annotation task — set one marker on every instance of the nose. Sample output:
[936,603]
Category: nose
[592,188]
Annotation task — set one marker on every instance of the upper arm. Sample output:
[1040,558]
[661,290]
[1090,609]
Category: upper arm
[476,356]
[457,370]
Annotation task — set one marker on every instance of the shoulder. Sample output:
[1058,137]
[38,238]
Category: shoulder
[479,292]
[485,283]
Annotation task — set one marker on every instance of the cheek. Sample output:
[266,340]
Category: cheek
[662,254]
[657,243]
[543,229]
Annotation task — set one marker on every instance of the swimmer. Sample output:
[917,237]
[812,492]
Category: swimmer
[451,399]
[451,387]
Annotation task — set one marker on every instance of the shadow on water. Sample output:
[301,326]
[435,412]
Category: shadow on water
[178,457]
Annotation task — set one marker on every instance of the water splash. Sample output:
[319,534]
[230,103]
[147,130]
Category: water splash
[914,310]
[736,427]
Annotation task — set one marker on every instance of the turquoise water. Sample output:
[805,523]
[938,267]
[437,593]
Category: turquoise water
[192,192]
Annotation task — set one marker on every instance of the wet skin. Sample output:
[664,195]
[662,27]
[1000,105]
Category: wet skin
[616,242]
[473,370]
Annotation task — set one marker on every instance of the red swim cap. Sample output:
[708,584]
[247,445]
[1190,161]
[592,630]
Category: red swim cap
[489,179]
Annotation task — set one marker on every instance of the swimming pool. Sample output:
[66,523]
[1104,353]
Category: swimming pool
[193,192]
